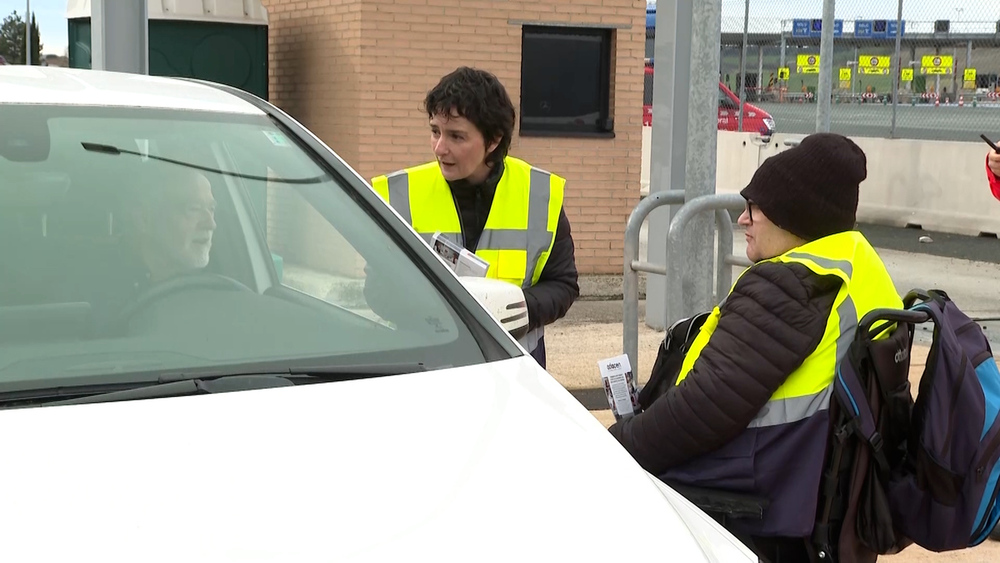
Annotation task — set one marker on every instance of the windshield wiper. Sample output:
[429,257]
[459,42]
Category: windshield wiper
[113,150]
[199,382]
[309,373]
[182,388]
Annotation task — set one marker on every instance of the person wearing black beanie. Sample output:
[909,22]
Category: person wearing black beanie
[749,412]
[810,190]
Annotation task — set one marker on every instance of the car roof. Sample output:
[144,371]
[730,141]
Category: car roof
[44,85]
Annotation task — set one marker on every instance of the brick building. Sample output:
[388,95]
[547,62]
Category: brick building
[356,72]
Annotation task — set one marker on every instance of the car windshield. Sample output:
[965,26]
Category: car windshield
[158,241]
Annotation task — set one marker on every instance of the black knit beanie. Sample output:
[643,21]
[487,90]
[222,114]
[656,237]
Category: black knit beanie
[811,190]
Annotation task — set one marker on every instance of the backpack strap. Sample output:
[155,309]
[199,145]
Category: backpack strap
[854,400]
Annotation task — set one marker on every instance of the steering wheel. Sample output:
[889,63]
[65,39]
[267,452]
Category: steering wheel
[185,282]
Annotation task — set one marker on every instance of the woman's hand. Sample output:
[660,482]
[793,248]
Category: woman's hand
[993,160]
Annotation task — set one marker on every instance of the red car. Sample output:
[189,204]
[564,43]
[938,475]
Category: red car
[754,118]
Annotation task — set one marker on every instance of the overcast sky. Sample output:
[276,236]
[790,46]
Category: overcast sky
[764,14]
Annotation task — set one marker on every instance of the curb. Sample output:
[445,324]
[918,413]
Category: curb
[606,287]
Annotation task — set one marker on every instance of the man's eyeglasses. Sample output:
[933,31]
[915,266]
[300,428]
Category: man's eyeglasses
[749,209]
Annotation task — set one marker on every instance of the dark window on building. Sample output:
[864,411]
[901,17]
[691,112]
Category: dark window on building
[565,81]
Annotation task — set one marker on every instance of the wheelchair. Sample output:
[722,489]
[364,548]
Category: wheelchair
[852,523]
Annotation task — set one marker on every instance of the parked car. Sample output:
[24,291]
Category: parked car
[754,119]
[193,368]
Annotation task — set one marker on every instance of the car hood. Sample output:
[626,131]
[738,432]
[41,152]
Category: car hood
[494,462]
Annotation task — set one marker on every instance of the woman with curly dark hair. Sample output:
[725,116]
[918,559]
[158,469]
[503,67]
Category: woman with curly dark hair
[506,211]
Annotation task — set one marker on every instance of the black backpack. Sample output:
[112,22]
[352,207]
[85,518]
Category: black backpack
[670,357]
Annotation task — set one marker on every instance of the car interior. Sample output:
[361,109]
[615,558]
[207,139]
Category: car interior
[66,223]
[66,231]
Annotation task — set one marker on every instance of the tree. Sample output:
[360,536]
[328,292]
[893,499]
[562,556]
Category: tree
[12,40]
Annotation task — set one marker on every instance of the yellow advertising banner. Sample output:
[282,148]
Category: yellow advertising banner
[807,64]
[937,64]
[874,61]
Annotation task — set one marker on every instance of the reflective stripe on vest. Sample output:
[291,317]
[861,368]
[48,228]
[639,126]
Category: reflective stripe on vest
[789,430]
[519,231]
[866,286]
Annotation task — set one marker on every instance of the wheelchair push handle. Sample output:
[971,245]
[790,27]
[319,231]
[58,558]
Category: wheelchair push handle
[892,316]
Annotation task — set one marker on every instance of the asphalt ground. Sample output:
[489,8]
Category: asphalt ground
[979,249]
[945,123]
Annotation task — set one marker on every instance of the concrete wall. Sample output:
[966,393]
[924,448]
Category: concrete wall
[356,72]
[938,185]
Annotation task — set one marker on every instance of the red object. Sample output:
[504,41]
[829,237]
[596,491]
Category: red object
[754,118]
[994,181]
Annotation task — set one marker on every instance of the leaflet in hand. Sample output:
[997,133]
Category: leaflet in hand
[619,384]
[462,262]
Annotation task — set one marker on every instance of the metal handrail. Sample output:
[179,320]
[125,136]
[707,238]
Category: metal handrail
[630,278]
[718,203]
[632,265]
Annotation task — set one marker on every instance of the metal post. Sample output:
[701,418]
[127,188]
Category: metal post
[120,35]
[913,56]
[898,67]
[825,88]
[702,151]
[668,143]
[781,61]
[743,66]
[968,62]
[954,74]
[855,75]
[724,258]
[760,71]
[27,34]
[937,77]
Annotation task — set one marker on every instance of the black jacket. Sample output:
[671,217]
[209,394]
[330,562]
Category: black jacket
[557,287]
[771,322]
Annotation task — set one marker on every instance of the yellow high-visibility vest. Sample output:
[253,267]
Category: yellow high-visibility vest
[520,230]
[866,286]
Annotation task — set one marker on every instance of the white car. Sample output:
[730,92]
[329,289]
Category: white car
[218,344]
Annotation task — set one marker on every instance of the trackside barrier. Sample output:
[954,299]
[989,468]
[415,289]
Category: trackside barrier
[936,185]
[676,281]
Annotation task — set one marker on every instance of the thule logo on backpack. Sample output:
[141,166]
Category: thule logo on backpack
[901,355]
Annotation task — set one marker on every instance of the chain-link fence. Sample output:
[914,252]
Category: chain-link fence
[948,69]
